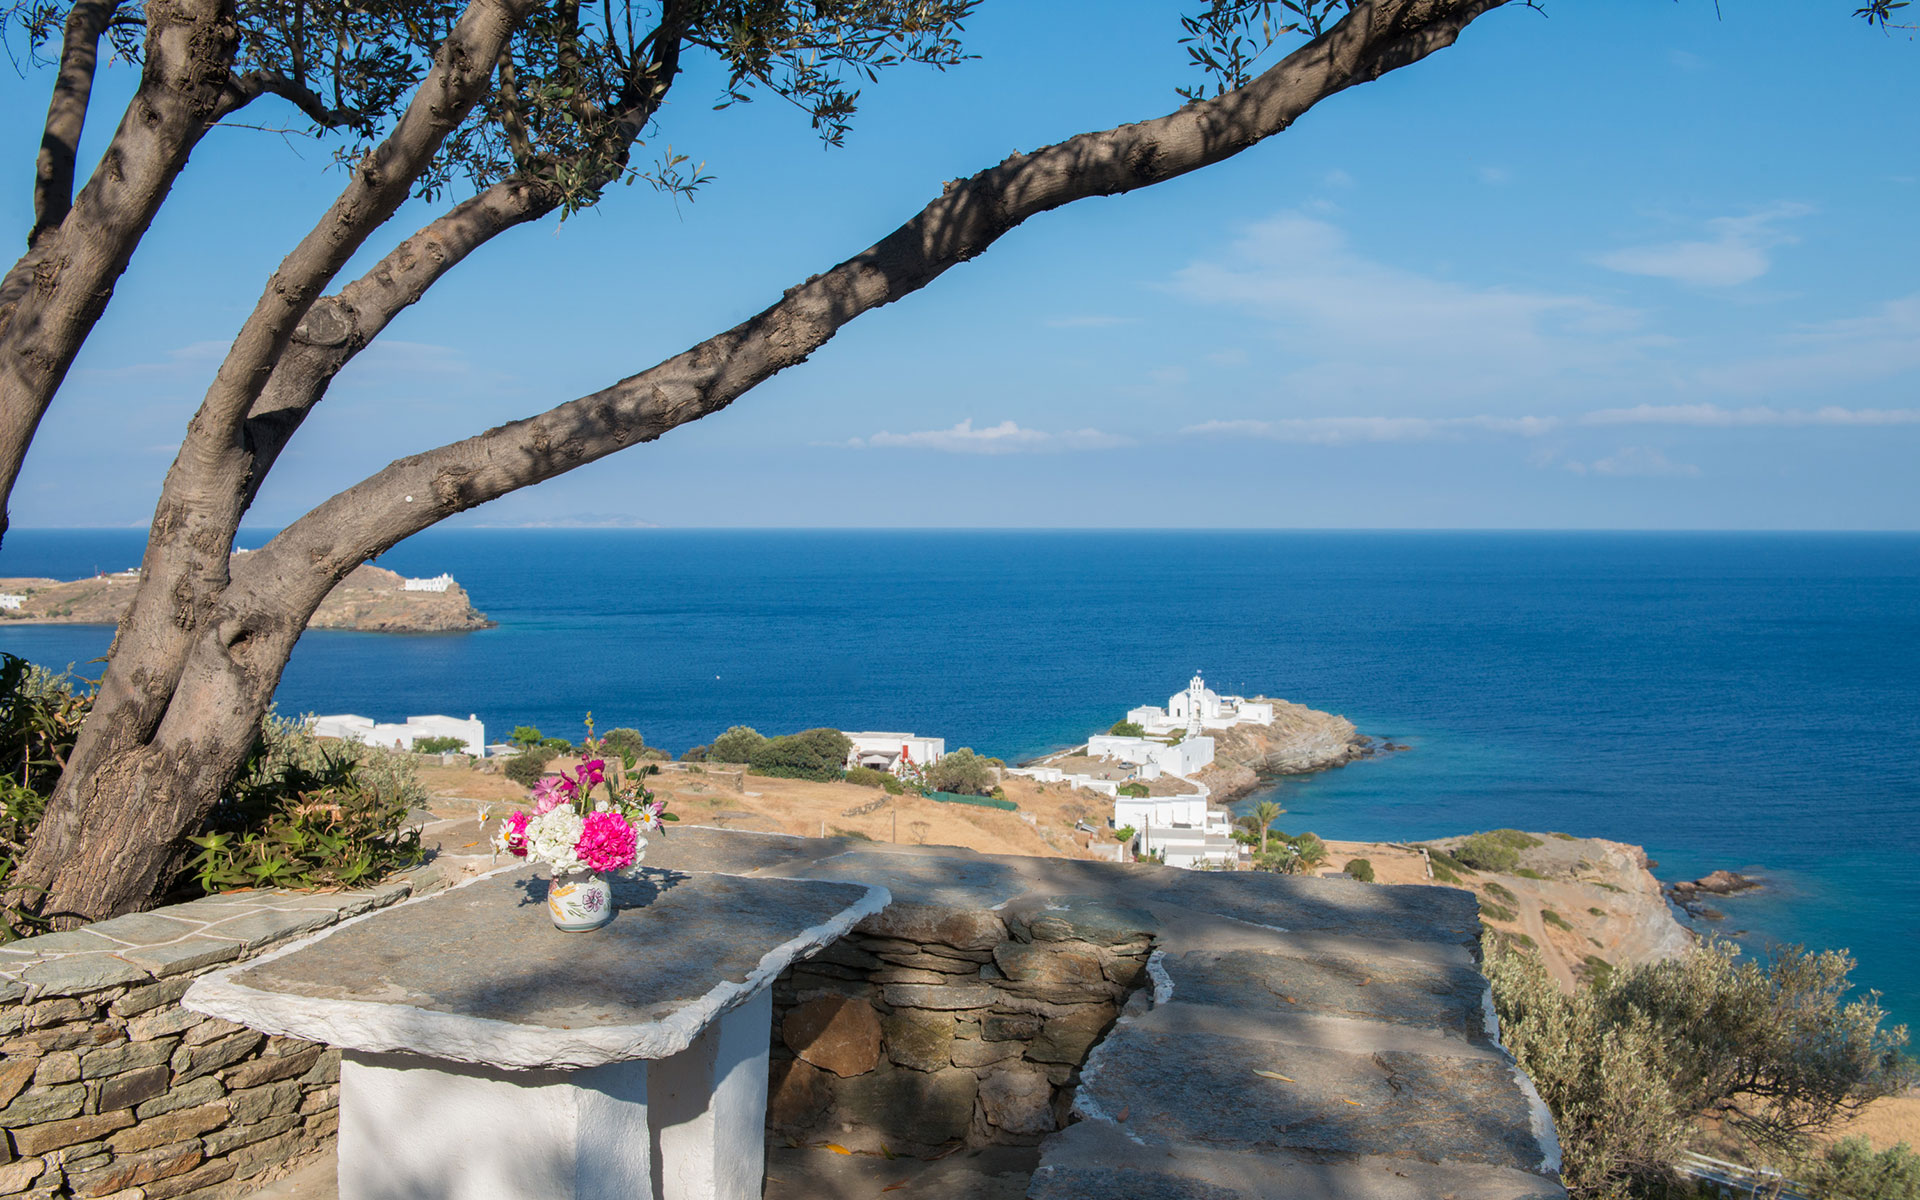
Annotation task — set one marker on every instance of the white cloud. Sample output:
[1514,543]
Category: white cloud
[1635,460]
[1337,178]
[1735,254]
[1358,327]
[1712,416]
[1831,354]
[1344,431]
[1004,438]
[1495,176]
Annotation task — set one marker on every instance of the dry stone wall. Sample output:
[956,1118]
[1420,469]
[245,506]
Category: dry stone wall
[109,1088]
[932,1026]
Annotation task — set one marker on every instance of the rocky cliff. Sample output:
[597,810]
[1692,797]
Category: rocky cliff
[1300,740]
[370,600]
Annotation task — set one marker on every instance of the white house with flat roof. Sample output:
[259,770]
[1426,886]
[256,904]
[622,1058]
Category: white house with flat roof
[894,752]
[1182,758]
[350,728]
[1187,830]
[1200,707]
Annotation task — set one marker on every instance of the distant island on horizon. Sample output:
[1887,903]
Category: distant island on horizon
[369,600]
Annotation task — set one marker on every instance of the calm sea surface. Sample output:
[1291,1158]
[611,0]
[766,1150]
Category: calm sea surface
[1740,701]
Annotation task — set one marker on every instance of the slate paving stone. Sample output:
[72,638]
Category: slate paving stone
[1383,989]
[188,954]
[699,849]
[1095,1160]
[1202,1088]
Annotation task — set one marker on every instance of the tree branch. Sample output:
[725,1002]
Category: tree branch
[338,327]
[414,493]
[244,89]
[51,298]
[67,114]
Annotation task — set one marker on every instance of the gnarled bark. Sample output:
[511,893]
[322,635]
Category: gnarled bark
[176,725]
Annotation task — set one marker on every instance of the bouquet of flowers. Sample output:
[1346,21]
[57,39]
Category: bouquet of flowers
[571,829]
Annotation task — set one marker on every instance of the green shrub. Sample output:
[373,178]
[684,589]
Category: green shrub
[1497,912]
[1486,852]
[963,773]
[1566,837]
[1597,971]
[810,754]
[304,815]
[1359,868]
[1528,873]
[558,745]
[1125,834]
[1442,858]
[526,735]
[1127,729]
[626,743]
[894,785]
[697,754]
[1442,875]
[1850,1170]
[867,777]
[1555,919]
[1597,912]
[1774,1051]
[1138,791]
[440,745]
[40,716]
[1499,891]
[736,745]
[526,767]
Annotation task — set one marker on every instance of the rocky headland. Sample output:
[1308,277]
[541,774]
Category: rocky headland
[1299,741]
[370,600]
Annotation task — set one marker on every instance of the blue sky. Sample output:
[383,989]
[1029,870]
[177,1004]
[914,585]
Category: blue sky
[1631,265]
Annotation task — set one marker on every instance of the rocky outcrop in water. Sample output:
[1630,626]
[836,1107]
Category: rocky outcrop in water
[371,599]
[1300,740]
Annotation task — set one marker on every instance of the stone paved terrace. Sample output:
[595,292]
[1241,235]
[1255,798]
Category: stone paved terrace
[1300,1037]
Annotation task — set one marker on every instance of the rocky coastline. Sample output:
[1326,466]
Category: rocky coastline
[370,600]
[1301,740]
[1691,895]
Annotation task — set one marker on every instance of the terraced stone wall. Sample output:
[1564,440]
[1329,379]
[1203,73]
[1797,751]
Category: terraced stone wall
[109,1088]
[928,1026]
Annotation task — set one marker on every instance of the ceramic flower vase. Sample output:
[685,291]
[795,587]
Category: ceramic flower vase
[579,901]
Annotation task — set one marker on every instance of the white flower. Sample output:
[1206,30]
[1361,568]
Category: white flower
[552,837]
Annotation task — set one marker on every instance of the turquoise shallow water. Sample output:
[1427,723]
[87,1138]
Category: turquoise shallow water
[1740,701]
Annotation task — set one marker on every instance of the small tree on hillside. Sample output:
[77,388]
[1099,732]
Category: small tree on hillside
[736,745]
[1127,729]
[963,772]
[1630,1065]
[1265,814]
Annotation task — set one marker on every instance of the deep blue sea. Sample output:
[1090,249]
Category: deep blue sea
[1726,700]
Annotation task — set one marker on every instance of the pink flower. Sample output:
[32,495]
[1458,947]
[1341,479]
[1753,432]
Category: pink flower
[607,842]
[550,793]
[592,771]
[513,835]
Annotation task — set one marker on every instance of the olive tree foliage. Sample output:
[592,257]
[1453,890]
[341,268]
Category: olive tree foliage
[1775,1052]
[536,106]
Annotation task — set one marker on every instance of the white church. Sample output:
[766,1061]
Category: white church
[1212,710]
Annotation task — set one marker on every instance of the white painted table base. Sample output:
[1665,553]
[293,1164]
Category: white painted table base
[416,1128]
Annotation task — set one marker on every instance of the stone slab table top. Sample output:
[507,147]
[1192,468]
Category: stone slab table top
[478,974]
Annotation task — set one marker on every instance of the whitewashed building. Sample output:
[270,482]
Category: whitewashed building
[894,752]
[350,728]
[1154,757]
[1186,830]
[1200,707]
[439,583]
[11,600]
